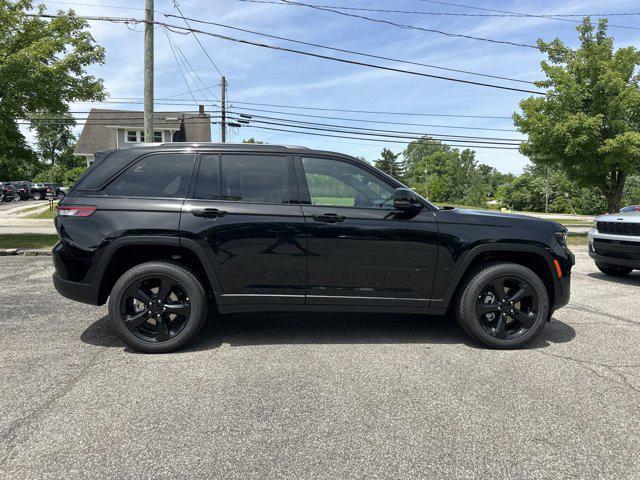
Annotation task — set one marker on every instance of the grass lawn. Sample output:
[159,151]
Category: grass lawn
[575,239]
[28,240]
[47,214]
[50,214]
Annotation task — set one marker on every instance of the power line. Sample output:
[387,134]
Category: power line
[166,32]
[300,52]
[193,71]
[249,112]
[375,130]
[458,14]
[110,119]
[410,27]
[380,57]
[175,4]
[454,138]
[372,139]
[306,115]
[136,101]
[519,14]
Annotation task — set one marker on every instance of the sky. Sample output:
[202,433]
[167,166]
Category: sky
[258,75]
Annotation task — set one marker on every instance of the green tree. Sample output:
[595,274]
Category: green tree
[42,69]
[55,140]
[253,140]
[445,174]
[389,164]
[588,122]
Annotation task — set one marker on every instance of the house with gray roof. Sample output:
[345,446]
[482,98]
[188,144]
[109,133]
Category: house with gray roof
[106,129]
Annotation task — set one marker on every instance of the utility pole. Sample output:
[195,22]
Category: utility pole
[223,108]
[148,71]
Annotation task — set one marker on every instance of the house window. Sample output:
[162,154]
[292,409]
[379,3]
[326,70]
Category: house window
[136,136]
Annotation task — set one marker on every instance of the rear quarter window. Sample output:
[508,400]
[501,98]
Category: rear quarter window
[164,175]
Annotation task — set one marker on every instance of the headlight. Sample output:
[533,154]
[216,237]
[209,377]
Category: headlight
[561,238]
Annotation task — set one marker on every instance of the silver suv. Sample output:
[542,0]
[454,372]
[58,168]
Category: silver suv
[614,243]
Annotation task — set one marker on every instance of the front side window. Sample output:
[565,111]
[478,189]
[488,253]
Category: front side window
[255,179]
[165,175]
[336,183]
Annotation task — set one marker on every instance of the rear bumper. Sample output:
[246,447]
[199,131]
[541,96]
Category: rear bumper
[80,292]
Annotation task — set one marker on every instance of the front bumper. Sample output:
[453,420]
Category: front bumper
[621,251]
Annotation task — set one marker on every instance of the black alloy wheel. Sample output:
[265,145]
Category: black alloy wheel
[155,308]
[503,305]
[507,307]
[158,306]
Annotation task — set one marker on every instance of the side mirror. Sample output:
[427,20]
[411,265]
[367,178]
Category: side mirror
[406,200]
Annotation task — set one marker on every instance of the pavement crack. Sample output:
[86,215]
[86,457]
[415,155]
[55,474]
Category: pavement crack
[622,379]
[586,308]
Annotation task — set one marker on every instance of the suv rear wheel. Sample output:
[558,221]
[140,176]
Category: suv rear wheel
[503,305]
[613,270]
[157,306]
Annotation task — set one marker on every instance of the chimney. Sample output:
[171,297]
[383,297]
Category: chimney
[201,110]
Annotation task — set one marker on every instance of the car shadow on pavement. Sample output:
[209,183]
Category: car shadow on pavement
[633,279]
[239,330]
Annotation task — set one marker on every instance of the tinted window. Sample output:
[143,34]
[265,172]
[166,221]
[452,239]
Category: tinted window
[338,183]
[163,175]
[254,178]
[208,187]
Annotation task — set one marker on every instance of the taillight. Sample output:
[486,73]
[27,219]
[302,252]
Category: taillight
[76,210]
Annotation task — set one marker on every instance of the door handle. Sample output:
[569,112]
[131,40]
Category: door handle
[208,212]
[329,218]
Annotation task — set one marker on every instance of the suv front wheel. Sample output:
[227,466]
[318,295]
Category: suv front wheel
[157,306]
[503,305]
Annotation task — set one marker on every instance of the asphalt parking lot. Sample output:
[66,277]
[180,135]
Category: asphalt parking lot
[318,396]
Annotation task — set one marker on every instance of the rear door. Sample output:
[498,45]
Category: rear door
[361,250]
[244,210]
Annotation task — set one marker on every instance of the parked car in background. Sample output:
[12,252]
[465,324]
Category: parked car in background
[55,191]
[39,191]
[630,208]
[614,243]
[22,189]
[8,192]
[162,231]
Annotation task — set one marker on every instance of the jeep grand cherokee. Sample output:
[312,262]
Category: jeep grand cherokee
[163,232]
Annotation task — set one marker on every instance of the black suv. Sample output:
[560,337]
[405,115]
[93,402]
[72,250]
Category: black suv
[163,232]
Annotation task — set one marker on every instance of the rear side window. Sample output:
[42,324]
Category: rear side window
[165,175]
[255,178]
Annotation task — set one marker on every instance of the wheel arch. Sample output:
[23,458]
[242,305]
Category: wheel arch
[124,253]
[534,257]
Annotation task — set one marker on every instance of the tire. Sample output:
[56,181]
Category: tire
[128,306]
[614,270]
[482,317]
[37,196]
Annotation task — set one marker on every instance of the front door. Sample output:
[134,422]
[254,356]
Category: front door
[244,209]
[361,250]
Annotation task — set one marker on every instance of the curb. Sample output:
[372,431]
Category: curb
[27,252]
